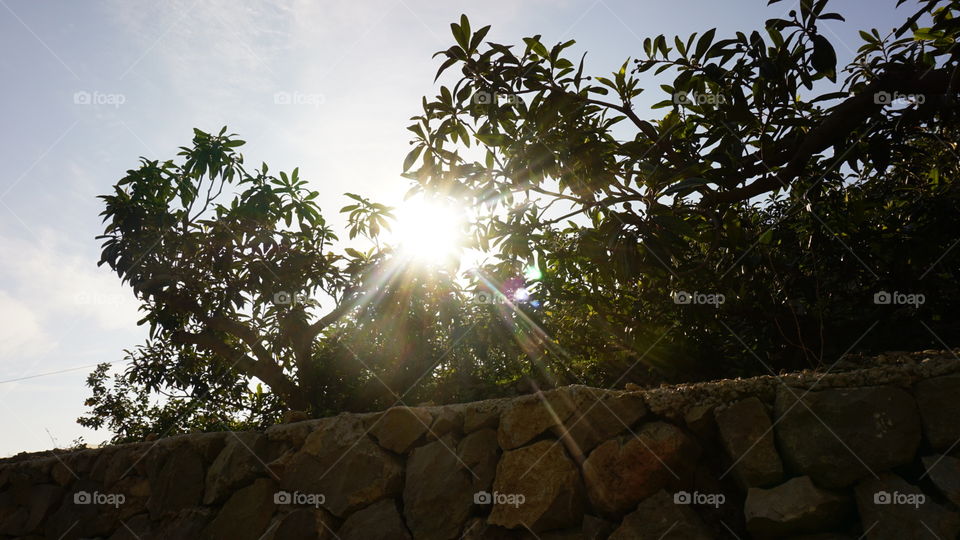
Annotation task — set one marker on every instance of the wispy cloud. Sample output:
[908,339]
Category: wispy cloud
[52,282]
[22,335]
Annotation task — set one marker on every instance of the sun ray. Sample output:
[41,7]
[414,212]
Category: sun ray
[429,232]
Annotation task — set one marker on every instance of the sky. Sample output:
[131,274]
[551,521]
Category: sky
[86,88]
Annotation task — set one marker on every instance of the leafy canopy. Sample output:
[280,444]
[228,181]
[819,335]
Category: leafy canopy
[742,226]
[793,187]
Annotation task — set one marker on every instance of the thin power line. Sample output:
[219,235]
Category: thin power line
[58,371]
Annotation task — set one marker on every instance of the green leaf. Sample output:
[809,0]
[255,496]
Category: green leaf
[767,236]
[492,139]
[832,16]
[461,34]
[412,158]
[703,45]
[824,59]
[686,184]
[449,62]
[478,36]
[465,25]
[606,81]
[534,45]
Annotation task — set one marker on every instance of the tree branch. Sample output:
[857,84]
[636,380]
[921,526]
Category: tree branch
[269,372]
[840,122]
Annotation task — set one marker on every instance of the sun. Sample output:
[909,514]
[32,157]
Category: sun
[429,231]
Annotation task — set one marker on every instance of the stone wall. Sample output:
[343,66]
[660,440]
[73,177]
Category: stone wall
[860,452]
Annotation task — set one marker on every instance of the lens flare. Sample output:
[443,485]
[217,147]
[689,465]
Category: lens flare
[532,273]
[428,231]
[521,294]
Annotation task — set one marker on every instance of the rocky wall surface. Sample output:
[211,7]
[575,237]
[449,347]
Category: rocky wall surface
[863,452]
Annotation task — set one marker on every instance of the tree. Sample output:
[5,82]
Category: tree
[760,184]
[747,230]
[253,309]
[231,268]
[230,283]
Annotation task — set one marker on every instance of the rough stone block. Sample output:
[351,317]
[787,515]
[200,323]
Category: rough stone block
[839,436]
[747,436]
[794,507]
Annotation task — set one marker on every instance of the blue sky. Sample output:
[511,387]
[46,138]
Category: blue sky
[88,87]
